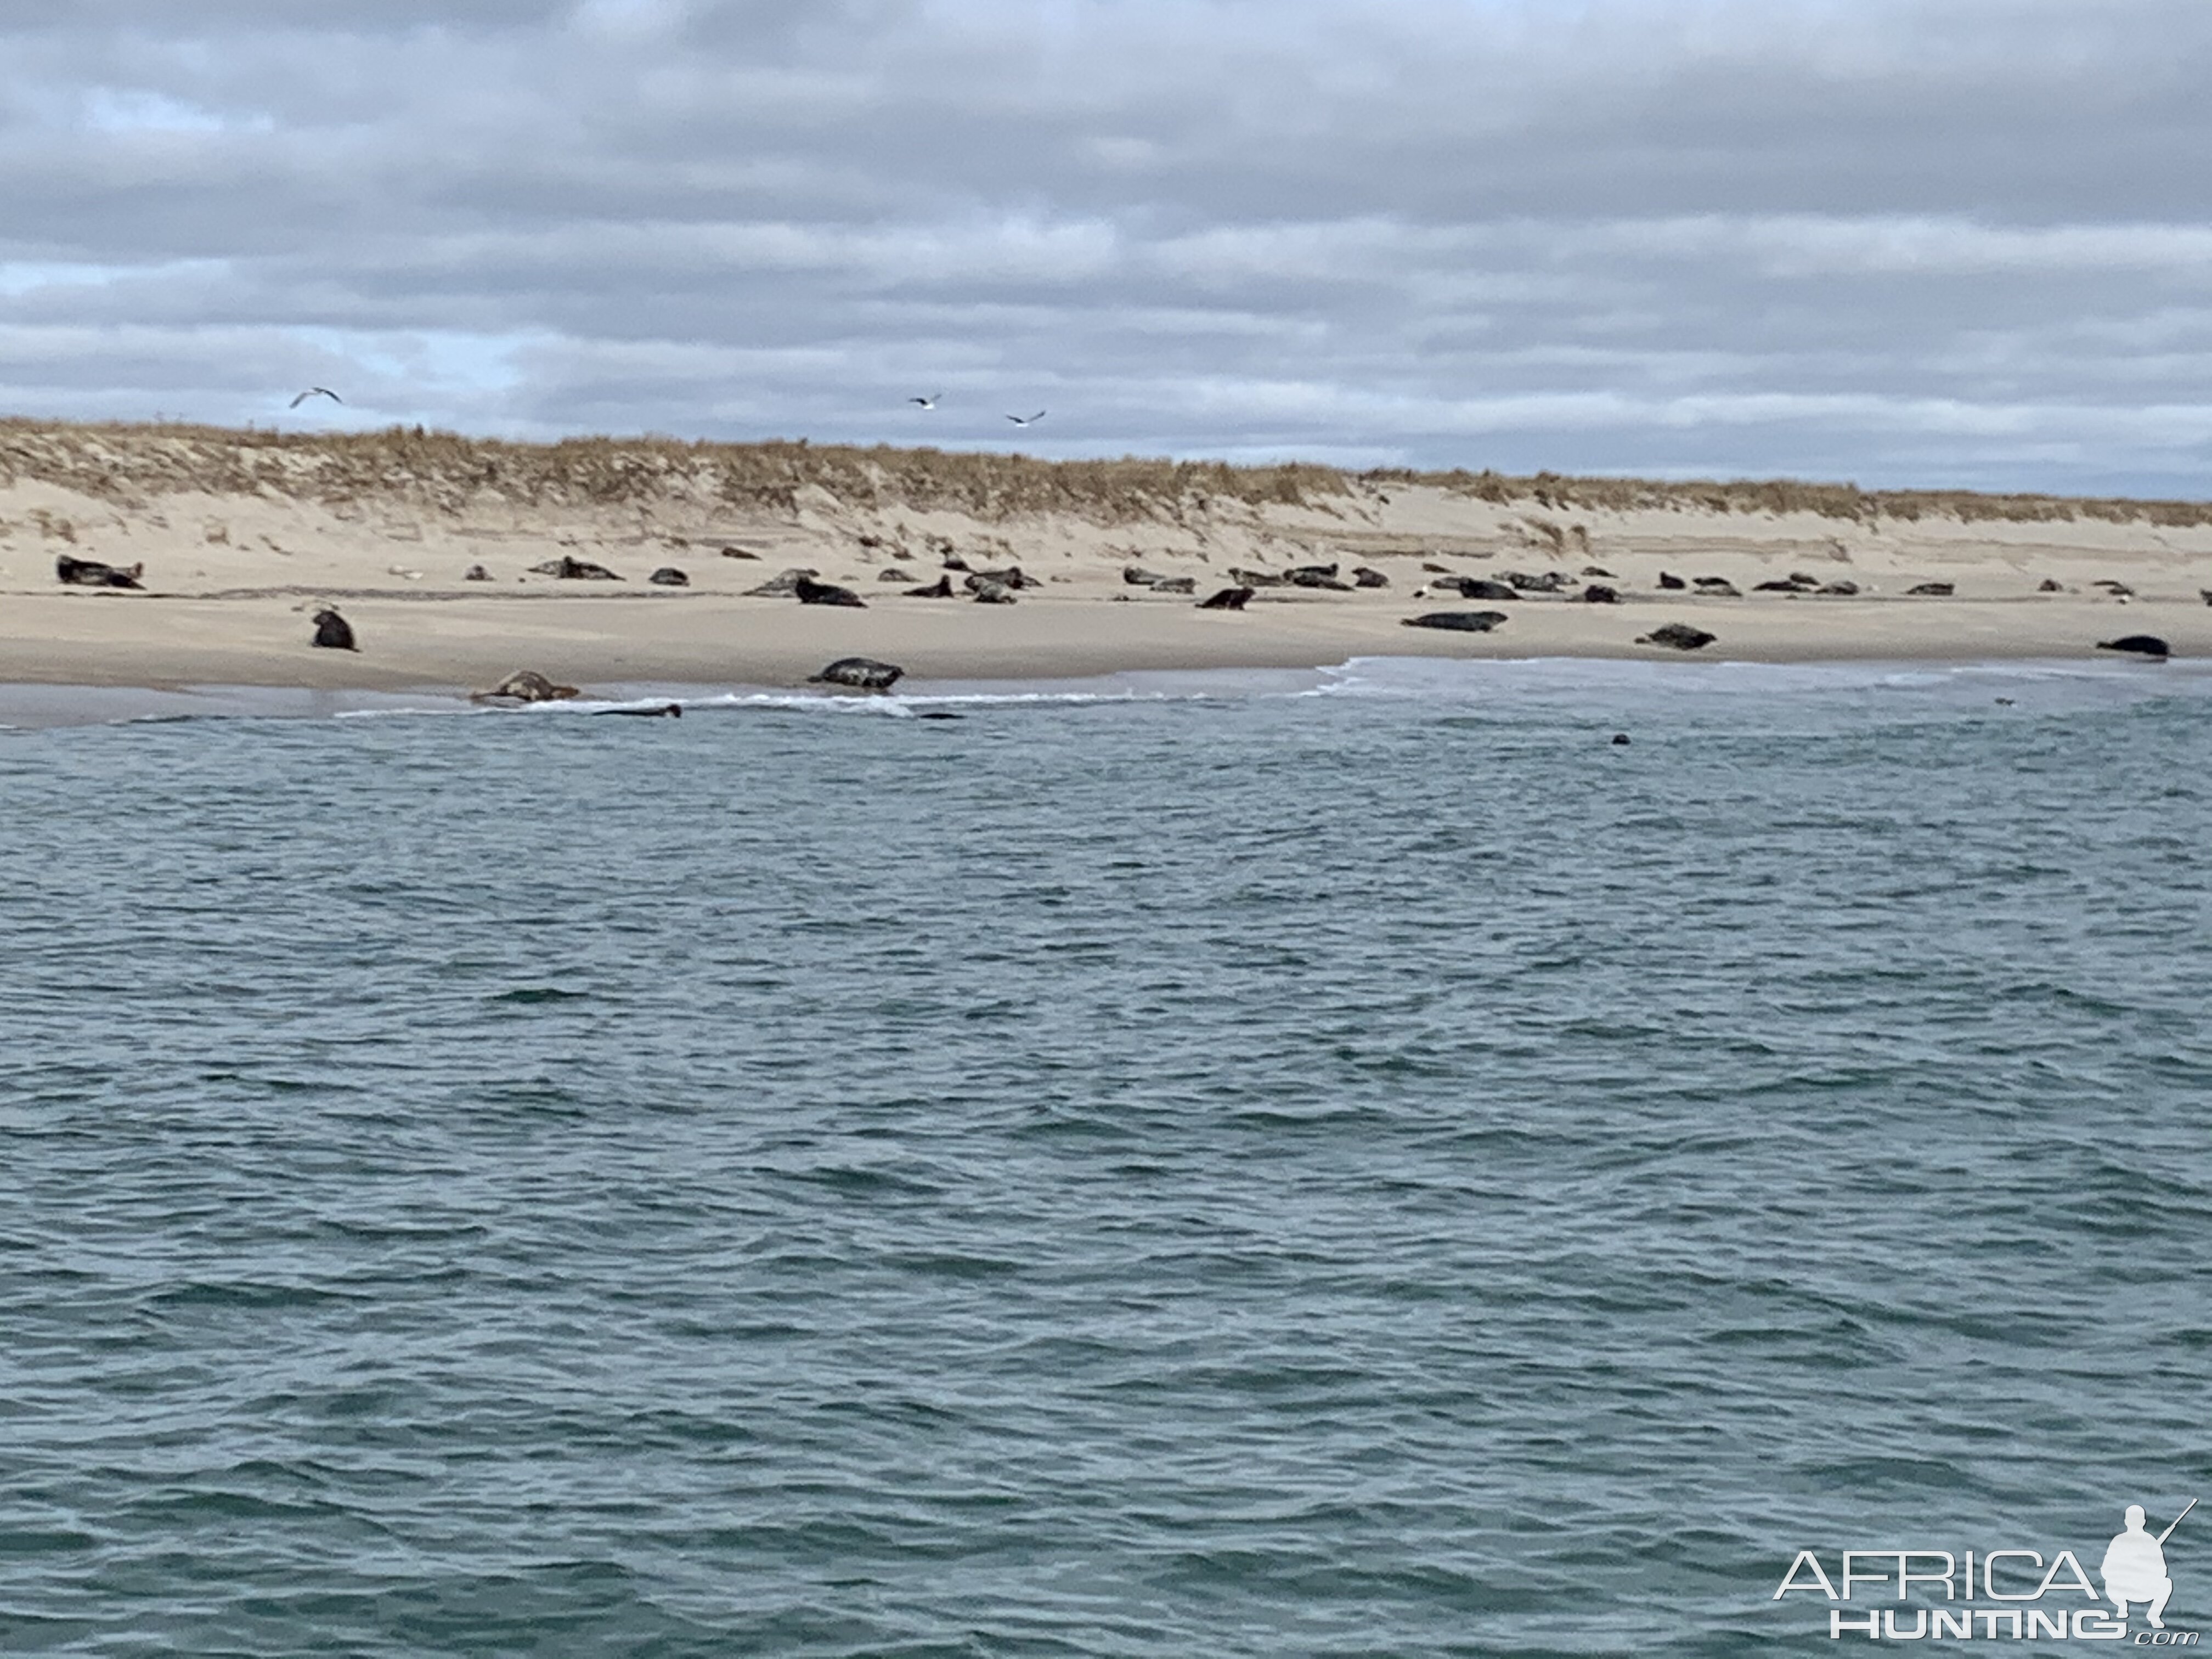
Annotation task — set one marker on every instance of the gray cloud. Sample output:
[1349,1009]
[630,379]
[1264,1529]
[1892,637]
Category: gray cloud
[1899,241]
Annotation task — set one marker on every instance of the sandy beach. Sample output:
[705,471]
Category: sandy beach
[240,538]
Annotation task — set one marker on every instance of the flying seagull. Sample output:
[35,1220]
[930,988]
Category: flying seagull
[1026,420]
[316,391]
[927,403]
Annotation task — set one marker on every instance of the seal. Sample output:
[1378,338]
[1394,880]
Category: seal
[1680,635]
[1671,583]
[939,589]
[91,572]
[1229,599]
[1458,622]
[669,576]
[524,685]
[475,572]
[575,570]
[1477,587]
[2139,644]
[1931,590]
[810,592]
[862,673]
[333,632]
[674,711]
[1599,594]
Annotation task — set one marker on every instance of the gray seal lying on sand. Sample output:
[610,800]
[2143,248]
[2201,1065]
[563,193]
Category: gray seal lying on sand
[524,685]
[862,673]
[811,592]
[1458,622]
[91,572]
[570,569]
[1680,635]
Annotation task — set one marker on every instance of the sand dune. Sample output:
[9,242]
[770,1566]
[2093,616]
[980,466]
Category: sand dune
[243,536]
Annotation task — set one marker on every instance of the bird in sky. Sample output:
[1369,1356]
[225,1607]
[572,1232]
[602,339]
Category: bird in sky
[927,403]
[316,391]
[1026,420]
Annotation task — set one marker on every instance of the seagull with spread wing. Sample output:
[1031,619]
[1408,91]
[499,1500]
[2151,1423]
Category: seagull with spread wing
[927,403]
[316,391]
[1026,420]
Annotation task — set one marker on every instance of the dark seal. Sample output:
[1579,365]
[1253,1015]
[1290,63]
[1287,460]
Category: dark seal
[1229,599]
[2139,644]
[1458,622]
[91,572]
[1680,636]
[333,632]
[810,592]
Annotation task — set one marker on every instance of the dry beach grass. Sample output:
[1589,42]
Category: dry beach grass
[243,534]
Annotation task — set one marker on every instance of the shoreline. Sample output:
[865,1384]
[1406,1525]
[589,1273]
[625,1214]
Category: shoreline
[422,644]
[33,706]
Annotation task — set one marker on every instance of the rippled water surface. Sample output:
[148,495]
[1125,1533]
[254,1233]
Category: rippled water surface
[1380,1170]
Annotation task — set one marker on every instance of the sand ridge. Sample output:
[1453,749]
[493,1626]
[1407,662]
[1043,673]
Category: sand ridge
[239,547]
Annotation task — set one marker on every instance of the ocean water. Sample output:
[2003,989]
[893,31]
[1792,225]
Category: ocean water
[1342,1163]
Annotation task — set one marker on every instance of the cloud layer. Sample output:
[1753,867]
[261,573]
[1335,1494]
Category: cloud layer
[1902,241]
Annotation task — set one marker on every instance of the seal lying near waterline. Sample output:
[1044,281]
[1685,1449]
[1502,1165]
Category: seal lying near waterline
[91,572]
[524,685]
[862,673]
[333,632]
[669,576]
[939,589]
[1458,622]
[2139,644]
[1229,599]
[674,711]
[1680,635]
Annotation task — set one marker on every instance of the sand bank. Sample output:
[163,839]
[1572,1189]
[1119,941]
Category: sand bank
[240,541]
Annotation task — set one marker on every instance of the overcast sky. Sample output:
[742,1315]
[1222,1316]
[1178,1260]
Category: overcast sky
[1900,241]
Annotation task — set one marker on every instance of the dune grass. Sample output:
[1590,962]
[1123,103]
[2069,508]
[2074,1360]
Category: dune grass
[451,472]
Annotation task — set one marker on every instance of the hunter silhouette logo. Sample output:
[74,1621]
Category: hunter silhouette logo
[2135,1567]
[2019,1595]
